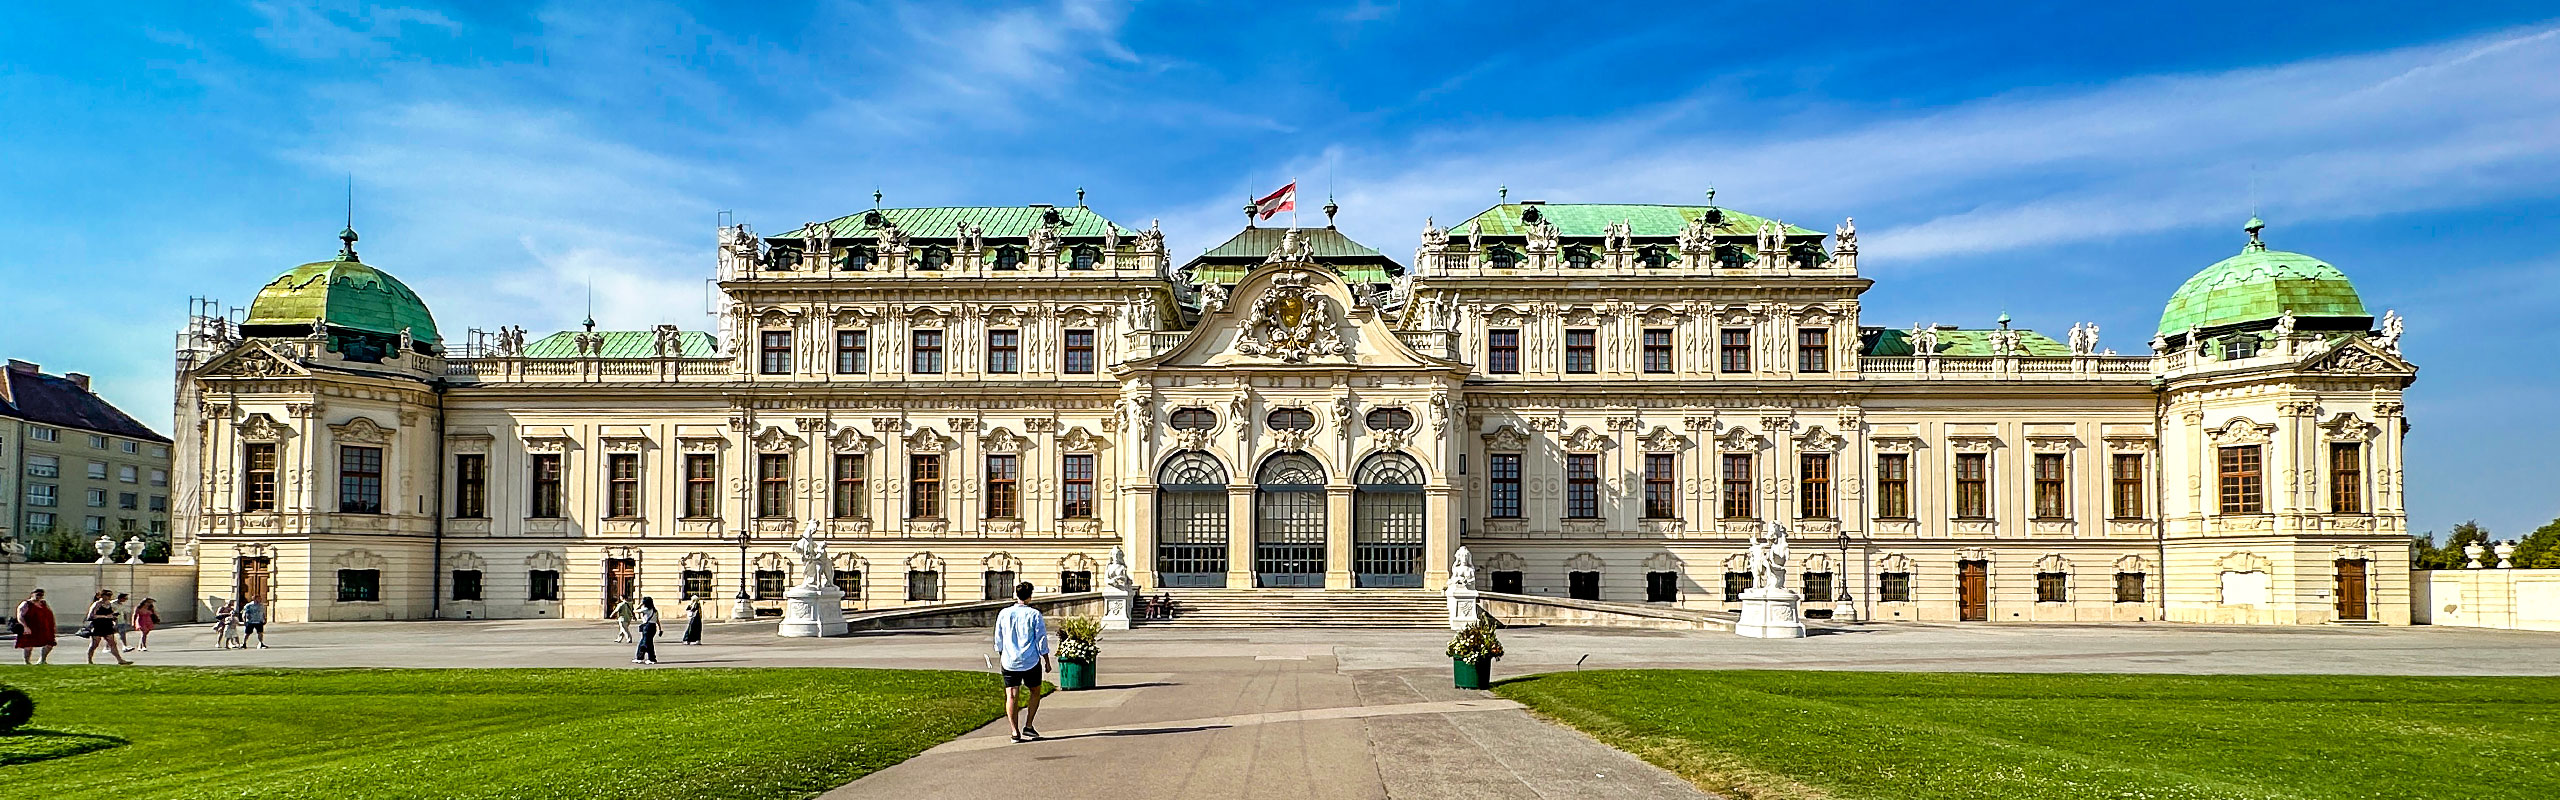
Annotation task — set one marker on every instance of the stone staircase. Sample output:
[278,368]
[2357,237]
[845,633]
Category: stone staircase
[1302,608]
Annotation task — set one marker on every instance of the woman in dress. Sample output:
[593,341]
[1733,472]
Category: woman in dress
[693,621]
[648,652]
[100,627]
[145,618]
[35,628]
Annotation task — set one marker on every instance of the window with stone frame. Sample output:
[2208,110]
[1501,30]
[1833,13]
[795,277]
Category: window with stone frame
[466,584]
[1004,494]
[1737,486]
[1290,419]
[1075,580]
[542,585]
[359,480]
[1004,352]
[2241,488]
[926,354]
[701,485]
[2346,478]
[97,470]
[1733,350]
[1194,418]
[696,584]
[924,486]
[1735,583]
[1893,587]
[1813,350]
[1817,586]
[1084,258]
[2127,501]
[1389,419]
[997,584]
[850,477]
[1581,351]
[1503,499]
[2129,587]
[773,485]
[1582,585]
[1507,581]
[1578,257]
[1502,351]
[770,583]
[1813,486]
[1662,587]
[258,477]
[545,498]
[1582,486]
[1657,351]
[924,585]
[41,495]
[359,586]
[1654,257]
[775,353]
[1076,357]
[471,486]
[1661,486]
[622,485]
[1075,485]
[2050,488]
[1973,485]
[2049,587]
[849,581]
[853,352]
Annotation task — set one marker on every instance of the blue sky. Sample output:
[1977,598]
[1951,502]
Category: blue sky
[2063,162]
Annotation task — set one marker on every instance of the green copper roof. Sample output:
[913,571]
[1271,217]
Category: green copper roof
[2261,284]
[621,344]
[1351,273]
[943,222]
[1593,219]
[349,294]
[1355,262]
[1956,342]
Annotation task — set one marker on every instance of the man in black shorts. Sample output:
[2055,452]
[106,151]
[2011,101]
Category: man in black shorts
[1022,651]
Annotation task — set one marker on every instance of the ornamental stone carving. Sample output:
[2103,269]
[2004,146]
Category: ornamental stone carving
[1973,444]
[1292,322]
[1003,441]
[1506,439]
[1817,440]
[849,439]
[2130,444]
[774,440]
[2345,427]
[263,428]
[1662,440]
[360,430]
[2051,444]
[2240,430]
[925,440]
[701,444]
[1739,440]
[1079,440]
[1585,440]
[625,444]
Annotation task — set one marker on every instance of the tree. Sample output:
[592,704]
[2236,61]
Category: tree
[2541,548]
[2426,555]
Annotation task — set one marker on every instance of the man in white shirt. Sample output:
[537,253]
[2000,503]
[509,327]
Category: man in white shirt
[1022,651]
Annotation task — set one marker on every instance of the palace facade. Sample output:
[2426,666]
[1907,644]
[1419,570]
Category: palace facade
[1599,401]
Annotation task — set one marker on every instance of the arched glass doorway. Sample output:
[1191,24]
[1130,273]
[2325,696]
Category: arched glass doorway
[1289,522]
[1386,534]
[1191,521]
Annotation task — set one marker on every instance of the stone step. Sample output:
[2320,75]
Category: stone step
[1302,608]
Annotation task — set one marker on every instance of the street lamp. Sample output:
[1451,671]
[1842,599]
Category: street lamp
[745,609]
[1844,608]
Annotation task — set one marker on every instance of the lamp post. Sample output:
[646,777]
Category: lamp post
[1843,608]
[744,609]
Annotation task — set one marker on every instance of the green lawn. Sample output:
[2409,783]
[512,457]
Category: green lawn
[514,733]
[1927,736]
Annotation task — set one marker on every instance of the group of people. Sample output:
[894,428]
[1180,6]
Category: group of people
[111,620]
[236,622]
[638,622]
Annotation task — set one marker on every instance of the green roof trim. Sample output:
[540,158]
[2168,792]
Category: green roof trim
[943,222]
[347,293]
[1593,219]
[622,344]
[1322,243]
[1232,273]
[2260,285]
[1960,342]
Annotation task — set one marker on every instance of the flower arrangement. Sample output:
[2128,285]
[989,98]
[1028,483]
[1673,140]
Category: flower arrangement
[1079,638]
[1475,643]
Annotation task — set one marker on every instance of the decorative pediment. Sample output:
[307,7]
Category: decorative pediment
[854,318]
[262,428]
[545,560]
[2131,444]
[1816,440]
[626,444]
[1506,439]
[2240,430]
[360,430]
[1003,440]
[2346,427]
[849,439]
[926,440]
[2355,357]
[360,559]
[2052,444]
[1585,440]
[777,318]
[1973,444]
[1738,439]
[549,442]
[1662,440]
[1079,440]
[253,360]
[1292,322]
[701,444]
[468,444]
[773,439]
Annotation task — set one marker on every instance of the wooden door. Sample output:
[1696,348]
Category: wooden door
[1973,591]
[256,582]
[621,579]
[2351,589]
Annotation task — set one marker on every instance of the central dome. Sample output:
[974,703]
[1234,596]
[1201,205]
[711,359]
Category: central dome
[345,293]
[2259,285]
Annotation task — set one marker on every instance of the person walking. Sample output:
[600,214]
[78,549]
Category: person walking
[124,620]
[623,613]
[1022,651]
[146,617]
[35,628]
[648,652]
[693,621]
[100,627]
[223,620]
[253,620]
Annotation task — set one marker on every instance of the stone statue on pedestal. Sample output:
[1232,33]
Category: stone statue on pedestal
[814,567]
[1119,592]
[1462,570]
[814,607]
[1115,574]
[1769,609]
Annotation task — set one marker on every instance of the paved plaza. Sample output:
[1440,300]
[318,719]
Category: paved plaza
[1361,714]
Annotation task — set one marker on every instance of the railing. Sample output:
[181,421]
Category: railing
[1437,344]
[2044,365]
[1889,364]
[2112,368]
[504,368]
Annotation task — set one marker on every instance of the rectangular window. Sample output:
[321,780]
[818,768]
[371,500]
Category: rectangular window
[46,435]
[160,502]
[1004,496]
[1502,351]
[1581,351]
[1078,355]
[1657,350]
[159,477]
[94,524]
[44,466]
[97,442]
[39,522]
[2127,483]
[2346,478]
[1507,582]
[2242,491]
[1662,587]
[853,352]
[769,584]
[1075,580]
[1075,496]
[2129,588]
[849,581]
[1893,488]
[1735,583]
[1582,486]
[1504,503]
[1973,485]
[2049,486]
[850,503]
[466,584]
[1893,587]
[1661,486]
[1734,353]
[128,473]
[542,585]
[1817,586]
[777,353]
[996,584]
[471,486]
[97,470]
[546,486]
[1582,585]
[924,585]
[1004,352]
[622,485]
[928,353]
[131,447]
[773,485]
[41,495]
[924,486]
[359,585]
[701,485]
[1813,485]
[2049,587]
[696,584]
[128,501]
[1813,350]
[360,480]
[97,498]
[1737,486]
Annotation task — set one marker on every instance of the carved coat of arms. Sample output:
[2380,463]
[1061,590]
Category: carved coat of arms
[1292,322]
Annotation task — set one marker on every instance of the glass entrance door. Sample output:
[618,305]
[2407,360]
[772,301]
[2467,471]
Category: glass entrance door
[1289,523]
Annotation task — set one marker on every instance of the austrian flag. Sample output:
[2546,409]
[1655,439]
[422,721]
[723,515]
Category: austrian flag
[1284,200]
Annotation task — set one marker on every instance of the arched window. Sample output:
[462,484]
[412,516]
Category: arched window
[1289,522]
[1191,521]
[1387,516]
[1732,256]
[1390,419]
[853,259]
[781,259]
[1290,419]
[1008,258]
[1194,418]
[1654,257]
[1085,258]
[935,257]
[1500,257]
[1578,257]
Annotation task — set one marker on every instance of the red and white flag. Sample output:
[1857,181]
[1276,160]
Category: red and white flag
[1284,200]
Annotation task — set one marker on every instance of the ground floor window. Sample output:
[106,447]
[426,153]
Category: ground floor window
[1582,585]
[2129,587]
[1507,582]
[1893,587]
[2049,587]
[1817,586]
[849,581]
[999,584]
[1734,584]
[359,585]
[1075,580]
[466,584]
[1662,587]
[697,584]
[769,584]
[542,584]
[924,584]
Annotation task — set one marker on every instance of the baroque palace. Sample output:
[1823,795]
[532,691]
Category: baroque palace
[1600,402]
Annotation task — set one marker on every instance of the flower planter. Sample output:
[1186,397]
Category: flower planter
[1075,675]
[1476,674]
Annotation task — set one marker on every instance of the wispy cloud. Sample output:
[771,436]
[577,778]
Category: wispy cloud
[342,29]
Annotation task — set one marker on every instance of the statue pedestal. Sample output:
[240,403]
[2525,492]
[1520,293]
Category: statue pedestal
[1770,614]
[813,611]
[1463,608]
[1119,605]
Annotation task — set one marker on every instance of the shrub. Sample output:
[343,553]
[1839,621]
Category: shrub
[1079,638]
[15,708]
[1477,641]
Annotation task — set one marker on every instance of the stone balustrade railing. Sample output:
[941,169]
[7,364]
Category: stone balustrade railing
[2109,368]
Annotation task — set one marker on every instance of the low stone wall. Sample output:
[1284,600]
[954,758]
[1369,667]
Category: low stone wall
[2506,599]
[979,614]
[67,587]
[1518,610]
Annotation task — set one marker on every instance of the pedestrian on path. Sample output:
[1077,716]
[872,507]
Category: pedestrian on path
[253,619]
[124,620]
[34,622]
[224,619]
[100,627]
[623,614]
[1022,650]
[648,652]
[693,621]
[145,618]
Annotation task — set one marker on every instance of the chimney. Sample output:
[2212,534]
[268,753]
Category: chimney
[21,366]
[78,379]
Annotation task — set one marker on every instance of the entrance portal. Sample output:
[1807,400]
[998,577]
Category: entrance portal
[1387,533]
[1191,522]
[1289,523]
[1973,591]
[2351,590]
[621,579]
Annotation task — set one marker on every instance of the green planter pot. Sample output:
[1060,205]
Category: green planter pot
[1477,674]
[1075,675]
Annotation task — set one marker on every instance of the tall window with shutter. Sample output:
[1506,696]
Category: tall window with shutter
[2346,478]
[2243,490]
[546,486]
[258,477]
[1737,486]
[1504,499]
[1661,486]
[1581,486]
[849,484]
[773,485]
[701,484]
[1973,485]
[2050,487]
[924,486]
[2126,484]
[1813,485]
[1893,486]
[622,485]
[1004,497]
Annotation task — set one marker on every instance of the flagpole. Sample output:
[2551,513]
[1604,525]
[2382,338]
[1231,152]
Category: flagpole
[1293,203]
